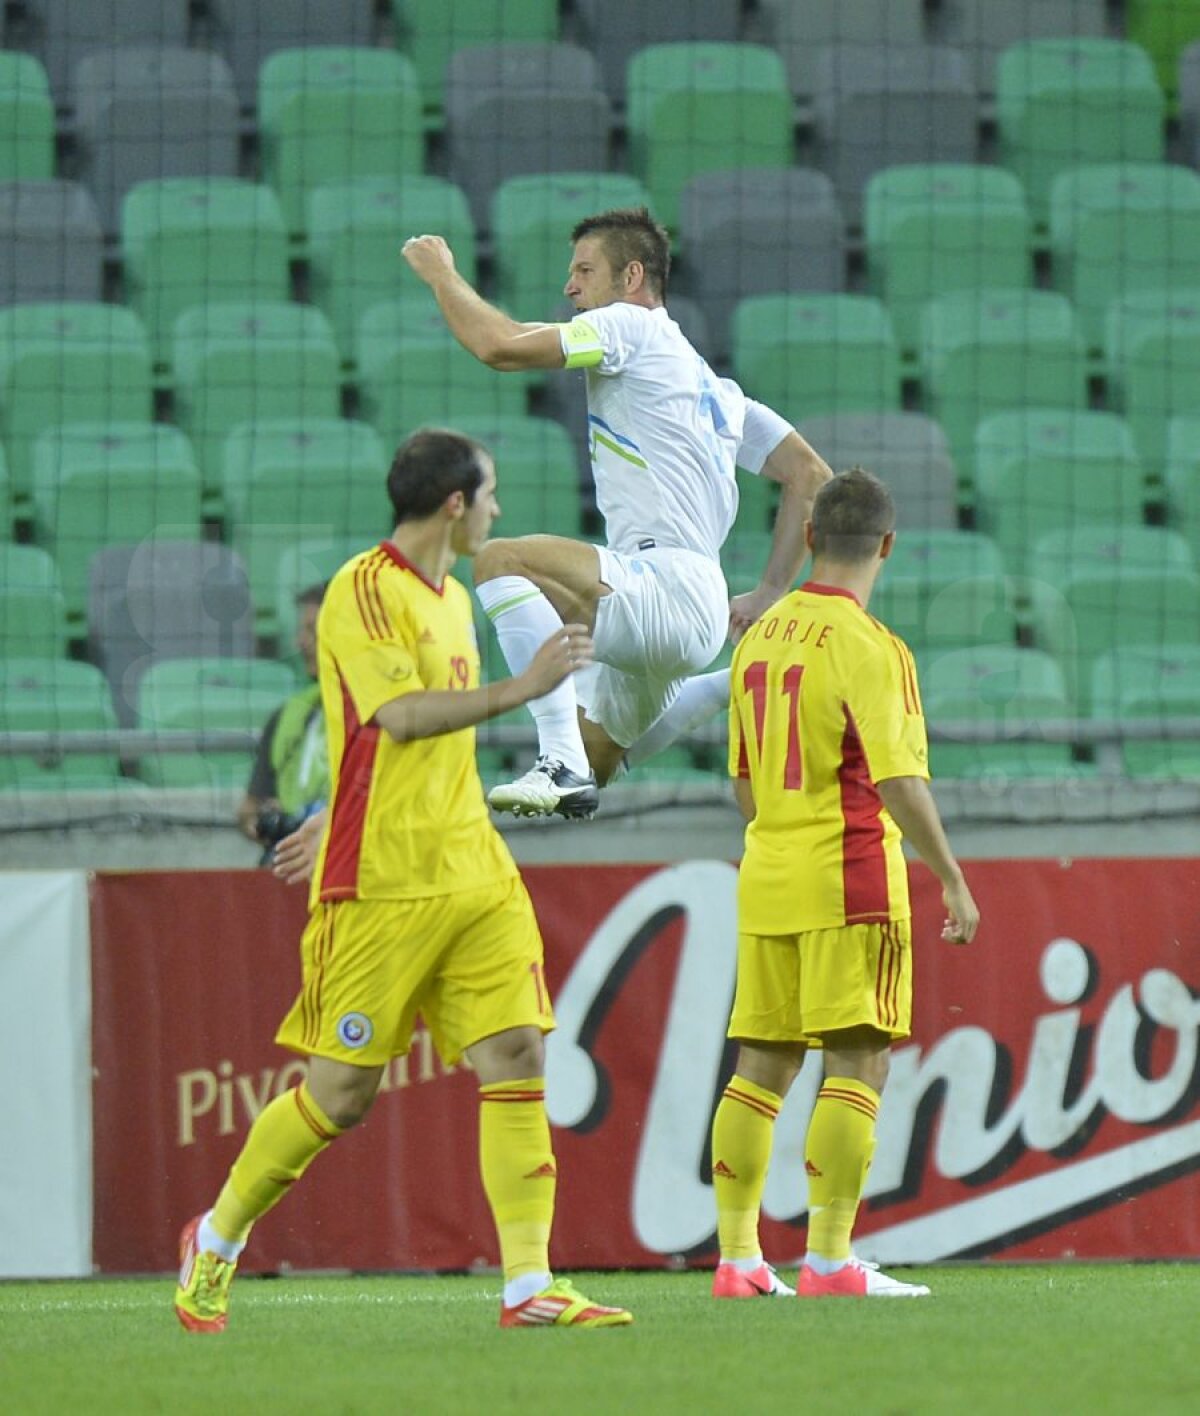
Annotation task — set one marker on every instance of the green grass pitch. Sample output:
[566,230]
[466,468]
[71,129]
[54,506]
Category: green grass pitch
[1024,1340]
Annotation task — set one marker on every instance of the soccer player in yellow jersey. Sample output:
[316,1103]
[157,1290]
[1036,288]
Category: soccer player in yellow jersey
[828,753]
[415,903]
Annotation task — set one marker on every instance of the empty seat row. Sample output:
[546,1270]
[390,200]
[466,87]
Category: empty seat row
[928,229]
[983,352]
[536,107]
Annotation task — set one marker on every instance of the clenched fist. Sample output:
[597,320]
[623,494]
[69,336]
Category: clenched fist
[429,256]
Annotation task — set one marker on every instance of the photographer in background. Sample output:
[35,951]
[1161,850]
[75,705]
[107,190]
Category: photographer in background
[290,778]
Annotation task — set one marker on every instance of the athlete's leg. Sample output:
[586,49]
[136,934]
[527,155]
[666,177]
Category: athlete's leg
[700,698]
[743,1129]
[286,1138]
[837,1157]
[528,587]
[516,1159]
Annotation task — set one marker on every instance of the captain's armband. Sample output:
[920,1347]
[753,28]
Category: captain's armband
[581,345]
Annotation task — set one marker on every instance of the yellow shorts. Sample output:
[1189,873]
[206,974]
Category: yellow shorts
[798,987]
[470,963]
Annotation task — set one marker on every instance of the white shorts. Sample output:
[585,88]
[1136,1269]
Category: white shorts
[666,619]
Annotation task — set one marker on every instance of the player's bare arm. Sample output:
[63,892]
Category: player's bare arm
[488,333]
[801,472]
[743,794]
[436,711]
[914,810]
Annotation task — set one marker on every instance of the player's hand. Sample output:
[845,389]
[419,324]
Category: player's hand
[429,256]
[962,914]
[567,649]
[296,855]
[745,609]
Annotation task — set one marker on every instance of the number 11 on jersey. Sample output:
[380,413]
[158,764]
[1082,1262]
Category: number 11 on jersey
[754,680]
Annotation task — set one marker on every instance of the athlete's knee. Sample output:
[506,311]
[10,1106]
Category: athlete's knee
[513,1055]
[344,1095]
[499,557]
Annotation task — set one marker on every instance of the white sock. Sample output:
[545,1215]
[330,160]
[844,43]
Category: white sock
[208,1238]
[824,1266]
[517,1290]
[699,698]
[745,1265]
[523,620]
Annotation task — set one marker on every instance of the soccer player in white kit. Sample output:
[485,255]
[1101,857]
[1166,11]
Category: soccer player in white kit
[666,435]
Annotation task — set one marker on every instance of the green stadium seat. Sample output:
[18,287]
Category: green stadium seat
[55,695]
[991,350]
[413,372]
[1164,29]
[1088,545]
[194,240]
[33,614]
[429,31]
[1152,344]
[939,227]
[1097,609]
[1006,690]
[744,556]
[1062,103]
[1183,478]
[98,483]
[355,231]
[208,695]
[1123,227]
[235,362]
[311,560]
[537,474]
[946,590]
[811,354]
[288,480]
[1042,469]
[705,107]
[335,113]
[758,498]
[26,119]
[66,363]
[532,219]
[1151,683]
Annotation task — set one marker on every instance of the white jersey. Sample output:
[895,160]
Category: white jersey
[665,432]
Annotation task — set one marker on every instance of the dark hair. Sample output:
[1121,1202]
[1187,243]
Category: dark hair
[311,594]
[429,467]
[631,234]
[852,511]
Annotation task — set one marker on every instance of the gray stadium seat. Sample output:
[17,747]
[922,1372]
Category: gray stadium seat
[802,29]
[1189,101]
[165,599]
[908,450]
[617,29]
[513,109]
[145,112]
[247,32]
[875,107]
[758,230]
[51,244]
[982,28]
[63,31]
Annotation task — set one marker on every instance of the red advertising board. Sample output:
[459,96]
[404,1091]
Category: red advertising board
[1047,1105]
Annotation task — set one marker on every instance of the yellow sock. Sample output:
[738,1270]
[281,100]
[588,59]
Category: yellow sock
[286,1138]
[743,1129]
[519,1175]
[837,1155]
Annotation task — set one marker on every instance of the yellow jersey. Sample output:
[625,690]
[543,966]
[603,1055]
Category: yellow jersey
[407,820]
[824,704]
